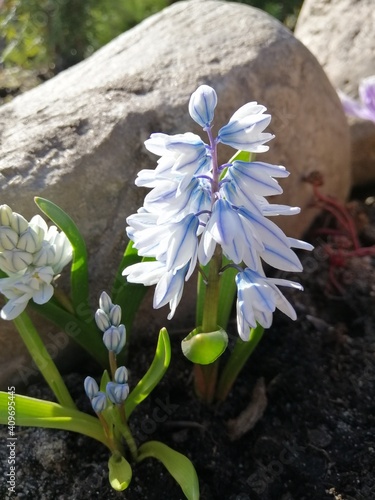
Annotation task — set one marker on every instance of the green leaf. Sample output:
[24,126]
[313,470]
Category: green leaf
[84,333]
[242,156]
[179,466]
[154,374]
[120,472]
[79,270]
[204,348]
[104,381]
[34,412]
[236,361]
[42,359]
[128,295]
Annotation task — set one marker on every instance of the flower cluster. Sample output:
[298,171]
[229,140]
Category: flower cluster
[366,107]
[108,320]
[196,206]
[32,255]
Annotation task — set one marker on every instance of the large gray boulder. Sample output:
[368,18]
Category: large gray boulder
[341,36]
[78,138]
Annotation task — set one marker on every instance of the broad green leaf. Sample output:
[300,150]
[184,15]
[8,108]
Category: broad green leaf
[120,472]
[204,348]
[179,466]
[154,374]
[79,270]
[32,412]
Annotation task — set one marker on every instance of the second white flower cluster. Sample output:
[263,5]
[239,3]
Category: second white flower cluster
[32,255]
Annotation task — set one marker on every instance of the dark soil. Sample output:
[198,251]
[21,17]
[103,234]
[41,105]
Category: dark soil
[315,441]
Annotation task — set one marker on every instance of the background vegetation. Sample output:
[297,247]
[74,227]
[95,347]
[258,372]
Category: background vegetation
[39,38]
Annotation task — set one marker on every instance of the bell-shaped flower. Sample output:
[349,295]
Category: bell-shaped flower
[257,299]
[62,248]
[244,130]
[276,246]
[149,238]
[183,245]
[19,289]
[145,273]
[183,155]
[365,108]
[202,105]
[226,228]
[256,177]
[117,393]
[169,290]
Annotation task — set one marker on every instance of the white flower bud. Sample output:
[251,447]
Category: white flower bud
[102,320]
[99,402]
[91,387]
[121,375]
[29,241]
[115,338]
[8,238]
[115,315]
[14,261]
[5,215]
[105,302]
[45,256]
[18,223]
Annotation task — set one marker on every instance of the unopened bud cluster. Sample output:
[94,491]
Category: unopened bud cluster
[31,254]
[108,320]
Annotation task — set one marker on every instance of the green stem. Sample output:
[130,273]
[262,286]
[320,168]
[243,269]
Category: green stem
[125,431]
[43,360]
[112,363]
[240,354]
[111,443]
[205,376]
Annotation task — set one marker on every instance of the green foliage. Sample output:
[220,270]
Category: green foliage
[51,35]
[56,34]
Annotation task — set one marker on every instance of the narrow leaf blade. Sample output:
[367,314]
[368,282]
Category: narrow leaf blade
[79,269]
[179,466]
[32,412]
[154,374]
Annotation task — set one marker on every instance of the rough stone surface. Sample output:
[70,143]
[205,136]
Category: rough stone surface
[340,33]
[78,138]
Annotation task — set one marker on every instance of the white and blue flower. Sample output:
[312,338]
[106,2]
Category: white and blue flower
[195,204]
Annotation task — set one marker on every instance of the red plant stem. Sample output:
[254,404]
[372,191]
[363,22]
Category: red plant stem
[341,213]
